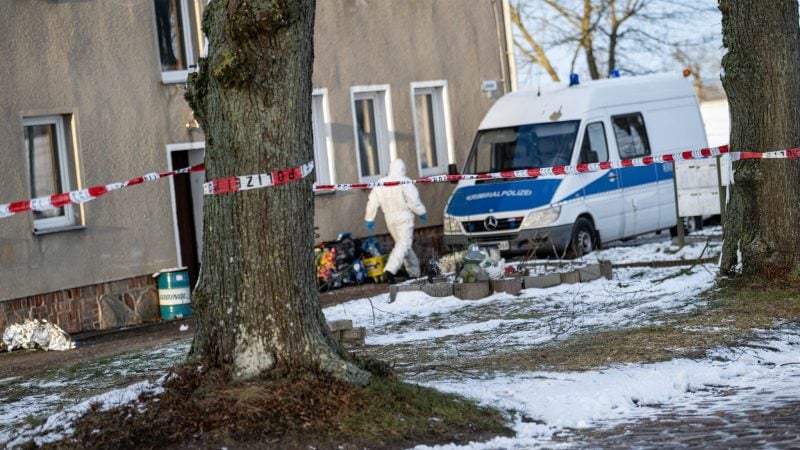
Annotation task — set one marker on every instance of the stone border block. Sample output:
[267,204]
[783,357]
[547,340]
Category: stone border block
[443,289]
[542,281]
[395,288]
[511,286]
[340,325]
[571,277]
[472,291]
[590,272]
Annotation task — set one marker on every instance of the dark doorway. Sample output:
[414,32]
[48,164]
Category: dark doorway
[187,216]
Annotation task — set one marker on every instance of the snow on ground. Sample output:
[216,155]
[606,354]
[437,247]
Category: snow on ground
[46,403]
[544,403]
[418,332]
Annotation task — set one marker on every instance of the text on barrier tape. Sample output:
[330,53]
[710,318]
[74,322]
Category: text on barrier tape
[262,180]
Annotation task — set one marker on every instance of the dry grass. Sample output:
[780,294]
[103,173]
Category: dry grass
[733,311]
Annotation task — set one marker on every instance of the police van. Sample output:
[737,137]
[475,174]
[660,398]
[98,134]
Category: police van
[604,120]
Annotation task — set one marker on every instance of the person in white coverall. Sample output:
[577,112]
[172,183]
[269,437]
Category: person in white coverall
[399,204]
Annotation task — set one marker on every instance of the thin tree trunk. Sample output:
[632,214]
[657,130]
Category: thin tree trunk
[762,81]
[612,49]
[256,304]
[587,41]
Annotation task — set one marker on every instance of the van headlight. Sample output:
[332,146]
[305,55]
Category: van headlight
[542,217]
[451,224]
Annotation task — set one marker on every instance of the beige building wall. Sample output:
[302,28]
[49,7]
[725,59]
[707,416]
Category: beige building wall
[97,62]
[395,43]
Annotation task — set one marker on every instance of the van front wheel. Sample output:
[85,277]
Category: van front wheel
[583,238]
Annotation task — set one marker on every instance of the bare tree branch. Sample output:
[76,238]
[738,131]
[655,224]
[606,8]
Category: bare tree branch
[540,58]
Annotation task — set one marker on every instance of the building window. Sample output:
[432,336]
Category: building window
[432,126]
[173,26]
[48,148]
[373,131]
[323,141]
[631,135]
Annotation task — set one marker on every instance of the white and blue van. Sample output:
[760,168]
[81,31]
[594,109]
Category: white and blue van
[604,120]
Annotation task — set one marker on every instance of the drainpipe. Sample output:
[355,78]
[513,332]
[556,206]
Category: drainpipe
[501,52]
[512,64]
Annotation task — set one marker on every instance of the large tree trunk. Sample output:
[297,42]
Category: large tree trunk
[256,304]
[762,81]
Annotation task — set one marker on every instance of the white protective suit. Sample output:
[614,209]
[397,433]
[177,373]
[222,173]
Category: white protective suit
[399,204]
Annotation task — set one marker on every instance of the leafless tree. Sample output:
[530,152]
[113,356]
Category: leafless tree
[610,34]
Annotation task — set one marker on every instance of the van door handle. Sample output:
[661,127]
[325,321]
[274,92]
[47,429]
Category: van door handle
[612,177]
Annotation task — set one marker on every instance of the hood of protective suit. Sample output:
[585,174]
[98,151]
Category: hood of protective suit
[397,169]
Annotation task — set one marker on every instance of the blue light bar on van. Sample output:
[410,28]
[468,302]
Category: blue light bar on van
[574,79]
[614,73]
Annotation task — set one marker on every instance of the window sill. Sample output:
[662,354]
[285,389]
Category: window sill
[52,230]
[433,172]
[174,77]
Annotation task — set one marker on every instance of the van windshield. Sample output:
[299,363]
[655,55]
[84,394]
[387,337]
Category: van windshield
[523,147]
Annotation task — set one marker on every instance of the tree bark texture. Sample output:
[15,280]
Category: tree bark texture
[256,303]
[762,81]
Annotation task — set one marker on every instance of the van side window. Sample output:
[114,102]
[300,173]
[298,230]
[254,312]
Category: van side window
[631,135]
[594,148]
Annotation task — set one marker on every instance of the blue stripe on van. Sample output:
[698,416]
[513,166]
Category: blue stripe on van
[502,196]
[637,176]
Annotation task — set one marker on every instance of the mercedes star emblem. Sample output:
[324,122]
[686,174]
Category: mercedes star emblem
[490,223]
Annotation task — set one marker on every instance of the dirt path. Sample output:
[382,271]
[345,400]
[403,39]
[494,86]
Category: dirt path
[109,343]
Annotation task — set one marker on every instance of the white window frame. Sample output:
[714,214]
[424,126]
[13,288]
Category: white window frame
[445,154]
[180,76]
[382,99]
[68,220]
[324,165]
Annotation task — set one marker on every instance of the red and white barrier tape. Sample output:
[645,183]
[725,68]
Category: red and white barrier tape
[247,182]
[262,180]
[84,195]
[777,154]
[539,172]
